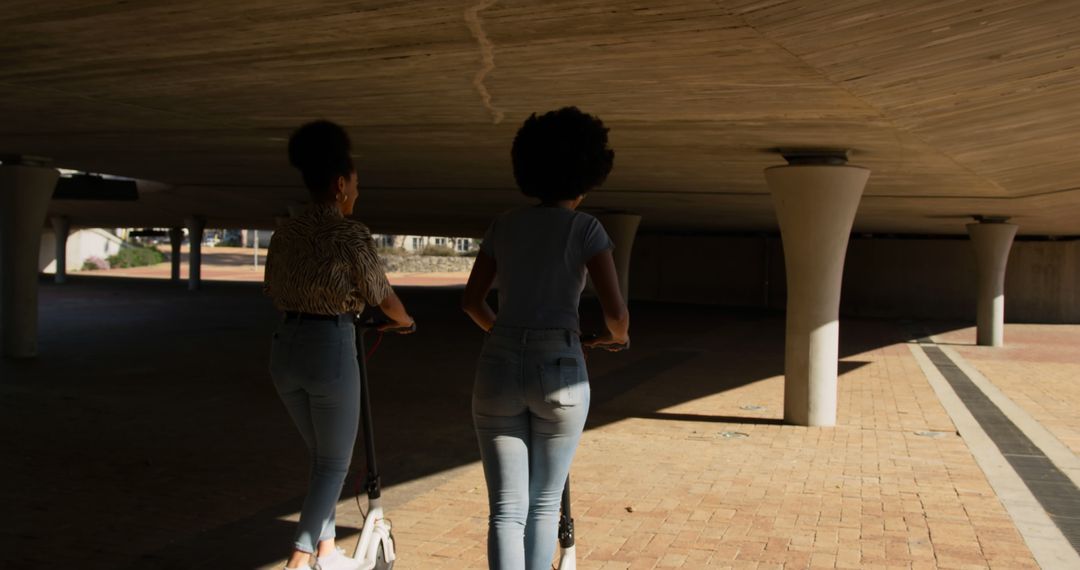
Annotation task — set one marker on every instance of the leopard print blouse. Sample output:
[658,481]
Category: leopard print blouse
[319,262]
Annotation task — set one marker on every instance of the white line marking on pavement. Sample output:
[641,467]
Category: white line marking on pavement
[1047,543]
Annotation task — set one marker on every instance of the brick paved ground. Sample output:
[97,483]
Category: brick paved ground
[666,489]
[1037,369]
[147,436]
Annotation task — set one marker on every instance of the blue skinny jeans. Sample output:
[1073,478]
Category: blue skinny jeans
[530,401]
[313,365]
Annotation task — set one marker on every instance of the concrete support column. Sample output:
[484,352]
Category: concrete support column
[61,227]
[25,190]
[992,241]
[621,228]
[195,226]
[176,239]
[815,198]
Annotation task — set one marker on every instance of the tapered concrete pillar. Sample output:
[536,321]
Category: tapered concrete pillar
[176,240]
[815,198]
[61,228]
[26,186]
[622,229]
[992,240]
[195,226]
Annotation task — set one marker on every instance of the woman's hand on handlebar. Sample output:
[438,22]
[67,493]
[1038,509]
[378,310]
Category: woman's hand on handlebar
[399,327]
[607,342]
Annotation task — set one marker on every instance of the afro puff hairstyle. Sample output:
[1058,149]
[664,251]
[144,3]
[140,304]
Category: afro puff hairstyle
[561,155]
[320,150]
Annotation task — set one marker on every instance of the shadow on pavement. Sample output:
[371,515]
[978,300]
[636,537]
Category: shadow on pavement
[147,434]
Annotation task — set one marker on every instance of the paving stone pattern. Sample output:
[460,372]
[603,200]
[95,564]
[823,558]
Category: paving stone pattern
[147,436]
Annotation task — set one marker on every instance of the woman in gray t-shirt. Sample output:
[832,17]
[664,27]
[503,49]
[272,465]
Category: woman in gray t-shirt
[531,394]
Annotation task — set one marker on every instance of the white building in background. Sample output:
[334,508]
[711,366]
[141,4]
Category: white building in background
[81,245]
[416,244]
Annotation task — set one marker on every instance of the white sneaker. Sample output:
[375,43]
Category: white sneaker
[337,561]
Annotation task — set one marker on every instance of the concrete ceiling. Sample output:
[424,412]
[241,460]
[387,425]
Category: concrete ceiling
[958,107]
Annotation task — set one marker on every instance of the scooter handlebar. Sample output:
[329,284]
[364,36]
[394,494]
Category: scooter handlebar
[402,330]
[376,324]
[614,347]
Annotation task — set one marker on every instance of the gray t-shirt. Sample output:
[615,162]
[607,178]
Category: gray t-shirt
[540,255]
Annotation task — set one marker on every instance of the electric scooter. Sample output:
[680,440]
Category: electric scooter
[375,548]
[567,550]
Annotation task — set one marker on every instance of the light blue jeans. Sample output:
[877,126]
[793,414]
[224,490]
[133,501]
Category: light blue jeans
[530,401]
[313,364]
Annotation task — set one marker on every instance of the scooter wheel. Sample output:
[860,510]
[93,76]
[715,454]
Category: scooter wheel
[380,557]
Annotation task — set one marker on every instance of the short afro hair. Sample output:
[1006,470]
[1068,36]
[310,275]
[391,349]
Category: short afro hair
[321,150]
[561,155]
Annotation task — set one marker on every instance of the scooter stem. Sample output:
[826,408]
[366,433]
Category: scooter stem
[566,520]
[372,483]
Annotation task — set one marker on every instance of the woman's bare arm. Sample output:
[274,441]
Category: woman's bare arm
[474,301]
[395,310]
[606,282]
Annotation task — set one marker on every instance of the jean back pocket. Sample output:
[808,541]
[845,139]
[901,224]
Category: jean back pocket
[495,378]
[562,382]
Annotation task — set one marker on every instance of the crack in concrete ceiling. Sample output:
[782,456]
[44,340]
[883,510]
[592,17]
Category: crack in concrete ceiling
[487,57]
